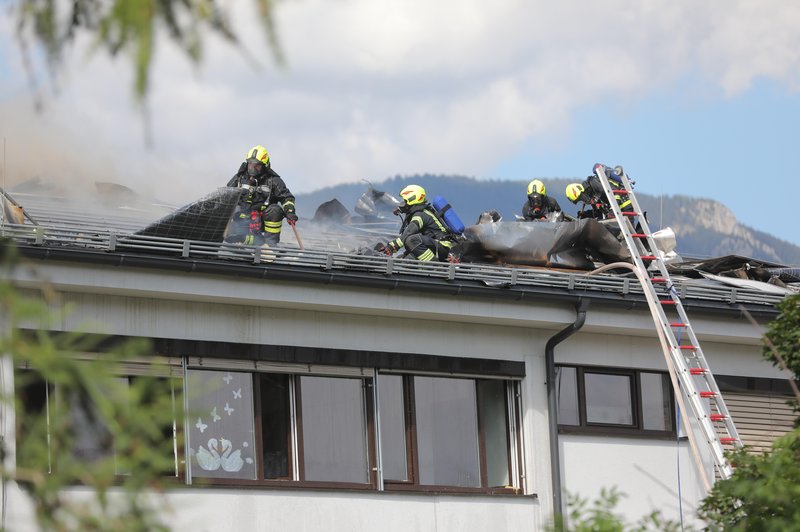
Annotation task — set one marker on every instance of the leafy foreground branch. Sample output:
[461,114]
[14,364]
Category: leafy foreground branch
[600,516]
[94,429]
[763,493]
[132,27]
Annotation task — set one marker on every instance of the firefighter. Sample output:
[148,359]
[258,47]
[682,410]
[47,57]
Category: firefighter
[539,204]
[591,193]
[423,233]
[267,202]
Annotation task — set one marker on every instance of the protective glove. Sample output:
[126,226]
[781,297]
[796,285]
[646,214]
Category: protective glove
[291,216]
[380,247]
[392,247]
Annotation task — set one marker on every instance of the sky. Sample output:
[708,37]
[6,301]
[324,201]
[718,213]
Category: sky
[693,98]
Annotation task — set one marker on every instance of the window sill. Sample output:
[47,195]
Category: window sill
[622,432]
[342,486]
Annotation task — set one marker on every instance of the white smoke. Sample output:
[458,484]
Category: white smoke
[381,88]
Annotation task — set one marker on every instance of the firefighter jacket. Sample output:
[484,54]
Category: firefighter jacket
[548,205]
[594,189]
[268,189]
[422,219]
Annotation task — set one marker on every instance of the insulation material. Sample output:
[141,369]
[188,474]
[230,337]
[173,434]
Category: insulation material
[376,205]
[573,244]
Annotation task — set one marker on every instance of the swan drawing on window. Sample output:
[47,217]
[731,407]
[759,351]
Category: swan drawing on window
[220,454]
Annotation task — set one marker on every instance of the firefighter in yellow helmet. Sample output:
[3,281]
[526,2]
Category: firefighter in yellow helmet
[423,233]
[261,210]
[539,204]
[591,193]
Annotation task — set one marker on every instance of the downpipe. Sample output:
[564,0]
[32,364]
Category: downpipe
[552,399]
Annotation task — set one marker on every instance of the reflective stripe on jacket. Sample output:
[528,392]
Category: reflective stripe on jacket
[422,219]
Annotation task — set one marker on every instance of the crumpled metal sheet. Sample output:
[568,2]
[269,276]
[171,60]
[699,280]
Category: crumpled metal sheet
[766,287]
[569,244]
[205,219]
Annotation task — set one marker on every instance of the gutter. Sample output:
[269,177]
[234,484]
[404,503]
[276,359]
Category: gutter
[469,288]
[552,400]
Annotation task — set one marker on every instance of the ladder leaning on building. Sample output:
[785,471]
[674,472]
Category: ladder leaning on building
[691,376]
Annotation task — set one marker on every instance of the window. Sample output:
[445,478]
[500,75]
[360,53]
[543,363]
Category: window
[760,407]
[269,427]
[221,425]
[333,430]
[256,423]
[448,433]
[75,429]
[614,400]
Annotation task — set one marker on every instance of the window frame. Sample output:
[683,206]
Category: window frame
[295,434]
[611,429]
[514,445]
[176,368]
[129,372]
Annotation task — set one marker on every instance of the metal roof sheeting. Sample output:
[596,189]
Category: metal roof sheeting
[218,256]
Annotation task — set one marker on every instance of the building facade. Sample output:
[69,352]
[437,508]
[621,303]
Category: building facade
[325,395]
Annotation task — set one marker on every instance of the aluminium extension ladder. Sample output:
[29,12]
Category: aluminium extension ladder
[685,358]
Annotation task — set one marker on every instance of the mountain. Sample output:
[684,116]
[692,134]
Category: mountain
[703,227]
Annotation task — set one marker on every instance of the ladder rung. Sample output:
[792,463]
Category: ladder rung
[677,324]
[638,235]
[708,394]
[728,441]
[627,213]
[717,417]
[658,280]
[620,191]
[667,302]
[698,371]
[688,347]
[648,257]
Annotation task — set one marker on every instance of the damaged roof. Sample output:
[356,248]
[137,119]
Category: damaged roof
[114,226]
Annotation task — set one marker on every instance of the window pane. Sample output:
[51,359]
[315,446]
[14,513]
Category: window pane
[334,429]
[494,423]
[93,440]
[221,428]
[567,396]
[33,431]
[393,427]
[608,399]
[656,401]
[447,431]
[275,424]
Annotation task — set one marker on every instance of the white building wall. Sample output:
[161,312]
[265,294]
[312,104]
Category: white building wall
[237,510]
[645,472]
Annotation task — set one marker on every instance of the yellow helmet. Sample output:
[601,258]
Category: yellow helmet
[574,191]
[536,187]
[413,195]
[259,153]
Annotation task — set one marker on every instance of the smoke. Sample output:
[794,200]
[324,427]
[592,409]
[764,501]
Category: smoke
[395,87]
[36,146]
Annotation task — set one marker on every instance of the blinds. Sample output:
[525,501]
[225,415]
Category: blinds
[760,418]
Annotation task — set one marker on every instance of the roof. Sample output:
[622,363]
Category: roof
[106,234]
